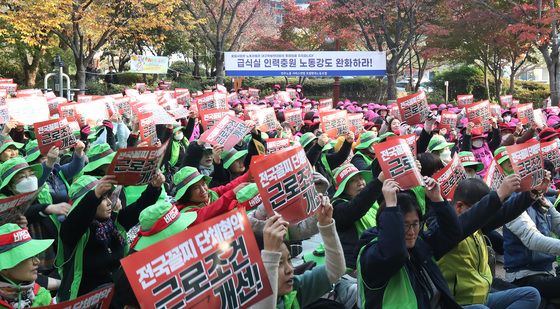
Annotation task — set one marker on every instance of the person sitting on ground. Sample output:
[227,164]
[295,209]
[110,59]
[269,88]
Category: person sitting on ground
[299,291]
[18,269]
[396,267]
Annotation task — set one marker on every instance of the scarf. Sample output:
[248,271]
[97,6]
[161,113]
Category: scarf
[17,295]
[206,171]
[105,231]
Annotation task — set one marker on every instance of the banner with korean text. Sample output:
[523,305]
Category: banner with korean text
[149,64]
[212,265]
[414,109]
[54,133]
[98,299]
[334,123]
[308,63]
[227,132]
[397,162]
[285,182]
[136,166]
[527,161]
[449,177]
[494,176]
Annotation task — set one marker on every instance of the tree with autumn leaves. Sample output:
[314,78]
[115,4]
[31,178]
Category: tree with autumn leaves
[86,26]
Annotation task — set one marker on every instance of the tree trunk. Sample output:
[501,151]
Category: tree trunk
[80,74]
[219,57]
[486,85]
[511,83]
[391,81]
[554,74]
[196,62]
[32,69]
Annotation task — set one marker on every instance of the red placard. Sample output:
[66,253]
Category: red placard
[67,110]
[265,119]
[92,113]
[414,108]
[356,122]
[293,117]
[54,133]
[53,104]
[494,176]
[254,92]
[525,114]
[147,128]
[228,131]
[410,140]
[325,103]
[276,144]
[6,80]
[209,118]
[4,114]
[479,114]
[397,162]
[334,123]
[527,161]
[136,166]
[291,92]
[495,110]
[98,299]
[28,110]
[539,118]
[514,103]
[307,107]
[449,177]
[123,107]
[285,182]
[550,151]
[221,101]
[180,113]
[14,206]
[3,93]
[11,89]
[506,101]
[448,120]
[206,102]
[326,109]
[464,99]
[159,114]
[84,98]
[212,265]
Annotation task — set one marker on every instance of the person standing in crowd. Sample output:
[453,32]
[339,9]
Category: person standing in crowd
[111,76]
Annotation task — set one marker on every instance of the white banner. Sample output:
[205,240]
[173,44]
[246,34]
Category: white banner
[305,63]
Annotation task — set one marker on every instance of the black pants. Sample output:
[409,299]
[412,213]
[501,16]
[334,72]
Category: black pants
[548,285]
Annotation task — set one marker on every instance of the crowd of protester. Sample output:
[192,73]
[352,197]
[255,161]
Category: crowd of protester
[382,247]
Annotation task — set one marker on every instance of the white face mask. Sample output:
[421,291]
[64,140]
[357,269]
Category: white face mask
[507,118]
[298,90]
[445,156]
[179,136]
[28,184]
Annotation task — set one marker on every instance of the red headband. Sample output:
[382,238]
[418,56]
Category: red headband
[15,237]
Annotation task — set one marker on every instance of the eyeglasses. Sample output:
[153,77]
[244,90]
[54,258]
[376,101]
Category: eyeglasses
[415,226]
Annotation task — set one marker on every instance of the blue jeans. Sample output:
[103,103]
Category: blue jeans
[522,298]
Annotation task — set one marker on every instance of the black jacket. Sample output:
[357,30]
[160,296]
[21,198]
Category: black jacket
[99,260]
[383,259]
